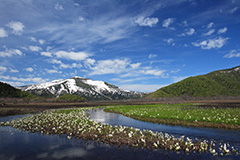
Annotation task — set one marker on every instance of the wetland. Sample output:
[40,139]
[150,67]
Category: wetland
[91,130]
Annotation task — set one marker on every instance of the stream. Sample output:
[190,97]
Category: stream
[20,145]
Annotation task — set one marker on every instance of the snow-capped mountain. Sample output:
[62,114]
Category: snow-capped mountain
[87,88]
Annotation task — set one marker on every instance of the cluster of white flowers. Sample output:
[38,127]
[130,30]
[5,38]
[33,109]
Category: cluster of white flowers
[76,123]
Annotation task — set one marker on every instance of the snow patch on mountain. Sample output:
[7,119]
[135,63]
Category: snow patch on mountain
[81,86]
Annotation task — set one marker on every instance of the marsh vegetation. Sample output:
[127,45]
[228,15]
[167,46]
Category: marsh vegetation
[76,123]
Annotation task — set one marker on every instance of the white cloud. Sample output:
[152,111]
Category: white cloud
[135,65]
[35,48]
[89,62]
[150,22]
[152,55]
[232,54]
[81,18]
[62,65]
[142,87]
[29,79]
[41,41]
[3,33]
[233,10]
[14,83]
[77,56]
[223,30]
[115,66]
[10,52]
[13,70]
[47,54]
[29,69]
[58,7]
[210,25]
[190,31]
[209,32]
[33,39]
[17,27]
[3,69]
[169,41]
[211,43]
[167,22]
[154,72]
[51,71]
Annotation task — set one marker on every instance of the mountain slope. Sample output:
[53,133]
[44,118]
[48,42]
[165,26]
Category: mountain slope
[87,88]
[7,90]
[218,83]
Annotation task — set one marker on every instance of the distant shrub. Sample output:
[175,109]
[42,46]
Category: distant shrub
[71,98]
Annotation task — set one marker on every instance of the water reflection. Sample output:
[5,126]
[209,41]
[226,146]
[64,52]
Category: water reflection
[18,145]
[231,136]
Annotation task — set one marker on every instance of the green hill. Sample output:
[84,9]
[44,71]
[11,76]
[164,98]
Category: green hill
[218,83]
[7,90]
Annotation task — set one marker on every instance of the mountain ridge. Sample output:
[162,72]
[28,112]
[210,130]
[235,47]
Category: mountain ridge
[85,87]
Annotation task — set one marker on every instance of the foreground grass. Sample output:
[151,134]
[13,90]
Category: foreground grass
[75,123]
[183,114]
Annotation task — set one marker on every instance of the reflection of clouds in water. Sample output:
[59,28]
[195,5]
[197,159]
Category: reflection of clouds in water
[63,154]
[42,155]
[69,153]
[101,116]
[8,158]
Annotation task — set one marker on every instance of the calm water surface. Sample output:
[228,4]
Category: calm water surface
[230,136]
[18,145]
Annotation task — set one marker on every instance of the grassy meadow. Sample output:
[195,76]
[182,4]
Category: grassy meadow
[76,123]
[183,114]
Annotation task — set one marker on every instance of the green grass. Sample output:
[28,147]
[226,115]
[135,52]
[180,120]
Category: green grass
[76,123]
[183,114]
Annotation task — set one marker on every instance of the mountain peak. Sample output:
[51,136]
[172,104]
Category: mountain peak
[87,88]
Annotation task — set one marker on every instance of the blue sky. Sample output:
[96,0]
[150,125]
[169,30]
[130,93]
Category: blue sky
[139,45]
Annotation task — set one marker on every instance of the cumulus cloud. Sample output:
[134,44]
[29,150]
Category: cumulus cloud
[232,54]
[169,41]
[41,41]
[62,65]
[209,32]
[47,54]
[190,31]
[223,30]
[3,33]
[152,55]
[35,48]
[29,69]
[135,65]
[89,62]
[167,22]
[3,69]
[150,22]
[210,25]
[17,27]
[155,72]
[142,87]
[77,56]
[13,70]
[115,66]
[10,52]
[29,79]
[58,7]
[51,71]
[211,43]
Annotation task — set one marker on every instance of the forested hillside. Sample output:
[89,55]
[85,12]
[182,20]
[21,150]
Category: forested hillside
[7,90]
[217,83]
